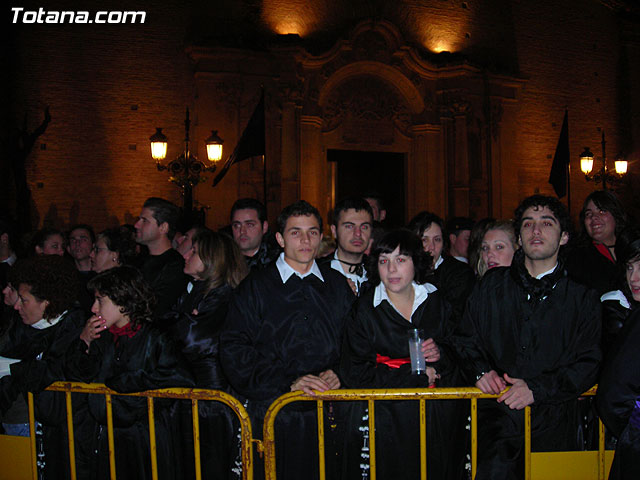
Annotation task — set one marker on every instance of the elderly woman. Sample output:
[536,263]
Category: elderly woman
[47,288]
[216,266]
[618,398]
[375,355]
[498,246]
[592,260]
[453,278]
[113,247]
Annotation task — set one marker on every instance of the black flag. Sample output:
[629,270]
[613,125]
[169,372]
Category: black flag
[251,143]
[559,176]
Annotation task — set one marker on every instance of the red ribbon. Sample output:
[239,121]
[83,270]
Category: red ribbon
[392,362]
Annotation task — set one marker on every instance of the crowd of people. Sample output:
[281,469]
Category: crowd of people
[520,308]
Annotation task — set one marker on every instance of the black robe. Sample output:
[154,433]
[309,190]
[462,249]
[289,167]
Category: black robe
[146,361]
[618,394]
[198,337]
[586,265]
[382,330]
[42,352]
[274,334]
[553,344]
[455,280]
[164,274]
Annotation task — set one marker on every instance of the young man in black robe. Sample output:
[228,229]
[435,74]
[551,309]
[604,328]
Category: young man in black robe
[351,226]
[283,333]
[532,328]
[250,230]
[163,267]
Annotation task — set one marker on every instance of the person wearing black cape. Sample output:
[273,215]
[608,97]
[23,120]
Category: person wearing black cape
[375,355]
[216,266]
[618,397]
[283,333]
[120,348]
[530,327]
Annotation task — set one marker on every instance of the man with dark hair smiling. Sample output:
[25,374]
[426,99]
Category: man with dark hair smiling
[530,327]
[284,332]
[162,268]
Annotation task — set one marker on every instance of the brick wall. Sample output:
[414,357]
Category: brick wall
[109,86]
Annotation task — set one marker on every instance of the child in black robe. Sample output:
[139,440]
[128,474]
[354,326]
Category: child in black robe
[120,348]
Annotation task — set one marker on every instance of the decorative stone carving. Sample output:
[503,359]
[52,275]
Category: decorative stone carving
[366,101]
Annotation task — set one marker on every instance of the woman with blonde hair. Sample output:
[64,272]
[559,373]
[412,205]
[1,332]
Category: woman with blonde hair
[216,266]
[498,246]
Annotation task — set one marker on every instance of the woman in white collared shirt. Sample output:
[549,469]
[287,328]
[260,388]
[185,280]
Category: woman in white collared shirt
[375,355]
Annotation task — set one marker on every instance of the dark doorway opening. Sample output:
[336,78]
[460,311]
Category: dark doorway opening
[359,172]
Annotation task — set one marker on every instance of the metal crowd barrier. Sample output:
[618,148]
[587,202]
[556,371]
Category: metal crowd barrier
[582,465]
[193,394]
[538,465]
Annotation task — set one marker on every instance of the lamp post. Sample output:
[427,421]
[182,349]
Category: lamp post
[603,175]
[186,169]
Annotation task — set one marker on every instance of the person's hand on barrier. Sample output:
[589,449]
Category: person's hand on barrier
[518,396]
[491,382]
[331,378]
[92,329]
[309,383]
[430,350]
[432,375]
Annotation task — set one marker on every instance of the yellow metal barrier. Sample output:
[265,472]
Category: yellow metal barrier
[193,394]
[538,465]
[582,465]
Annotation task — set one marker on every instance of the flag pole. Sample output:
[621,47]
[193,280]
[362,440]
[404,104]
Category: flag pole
[264,179]
[566,109]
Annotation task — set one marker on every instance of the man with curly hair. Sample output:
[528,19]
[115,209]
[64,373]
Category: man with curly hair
[533,329]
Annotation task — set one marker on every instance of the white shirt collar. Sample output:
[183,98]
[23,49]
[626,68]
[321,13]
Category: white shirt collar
[618,296]
[461,259]
[11,259]
[439,262]
[286,270]
[547,272]
[44,323]
[420,295]
[357,279]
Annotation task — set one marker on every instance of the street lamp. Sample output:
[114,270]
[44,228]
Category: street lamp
[603,175]
[186,169]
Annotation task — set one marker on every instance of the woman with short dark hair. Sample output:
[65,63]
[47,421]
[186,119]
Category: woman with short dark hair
[454,278]
[47,288]
[113,247]
[375,354]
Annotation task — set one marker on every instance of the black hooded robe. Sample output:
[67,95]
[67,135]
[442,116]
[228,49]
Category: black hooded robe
[383,331]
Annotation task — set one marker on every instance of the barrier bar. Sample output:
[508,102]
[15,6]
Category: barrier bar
[195,417]
[32,436]
[372,440]
[112,449]
[423,440]
[152,439]
[321,452]
[72,443]
[474,437]
[527,443]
